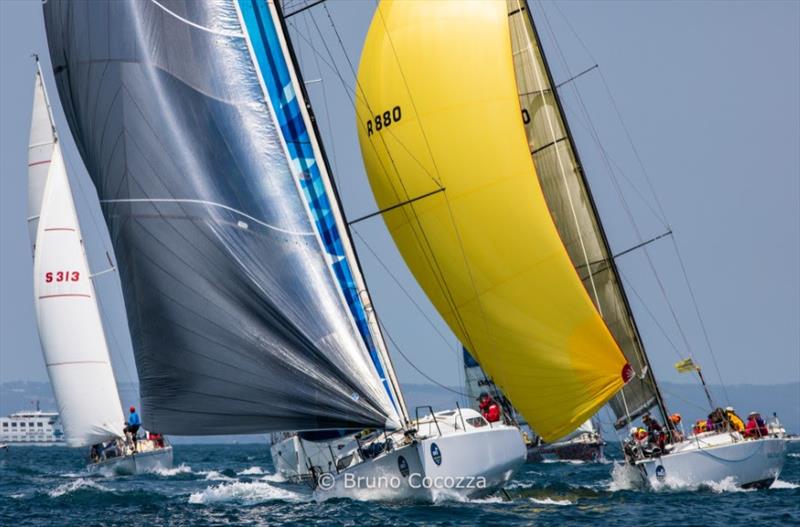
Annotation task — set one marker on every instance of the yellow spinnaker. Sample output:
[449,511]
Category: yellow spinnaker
[437,107]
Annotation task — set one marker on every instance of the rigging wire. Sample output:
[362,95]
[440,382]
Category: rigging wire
[325,103]
[648,180]
[410,362]
[541,87]
[629,285]
[455,310]
[315,53]
[626,208]
[403,289]
[419,233]
[351,95]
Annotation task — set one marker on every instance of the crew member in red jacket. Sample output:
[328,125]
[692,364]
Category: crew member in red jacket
[756,427]
[489,408]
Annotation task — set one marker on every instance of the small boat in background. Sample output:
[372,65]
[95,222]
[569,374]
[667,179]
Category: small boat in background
[70,327]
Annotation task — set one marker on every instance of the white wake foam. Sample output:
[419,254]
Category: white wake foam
[74,474]
[551,501]
[274,478]
[245,493]
[565,461]
[726,485]
[488,499]
[213,475]
[779,484]
[76,485]
[174,471]
[252,471]
[624,477]
[794,455]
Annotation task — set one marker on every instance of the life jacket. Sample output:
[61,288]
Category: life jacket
[699,427]
[640,434]
[492,413]
[735,422]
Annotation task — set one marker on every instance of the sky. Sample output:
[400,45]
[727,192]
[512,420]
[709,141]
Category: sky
[709,95]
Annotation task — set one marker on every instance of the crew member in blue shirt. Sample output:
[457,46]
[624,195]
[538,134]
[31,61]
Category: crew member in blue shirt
[133,425]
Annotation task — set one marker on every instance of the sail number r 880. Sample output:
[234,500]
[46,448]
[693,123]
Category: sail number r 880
[383,120]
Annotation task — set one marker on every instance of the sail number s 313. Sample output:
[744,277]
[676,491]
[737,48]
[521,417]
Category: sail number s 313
[384,120]
[62,276]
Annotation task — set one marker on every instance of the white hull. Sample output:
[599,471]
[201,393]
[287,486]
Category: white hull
[448,459]
[715,458]
[131,464]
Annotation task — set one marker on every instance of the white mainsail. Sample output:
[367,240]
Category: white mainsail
[40,151]
[70,328]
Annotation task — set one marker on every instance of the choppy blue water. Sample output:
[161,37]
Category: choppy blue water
[234,485]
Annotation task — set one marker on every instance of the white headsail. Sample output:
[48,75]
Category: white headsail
[70,328]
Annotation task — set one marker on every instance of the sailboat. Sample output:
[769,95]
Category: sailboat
[247,307]
[460,120]
[583,444]
[70,328]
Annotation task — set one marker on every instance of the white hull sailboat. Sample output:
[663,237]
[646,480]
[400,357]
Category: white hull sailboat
[149,457]
[247,306]
[70,328]
[450,460]
[586,444]
[715,457]
[479,456]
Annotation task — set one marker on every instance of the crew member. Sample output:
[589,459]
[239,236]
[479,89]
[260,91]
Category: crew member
[132,425]
[734,420]
[756,427]
[489,408]
[655,431]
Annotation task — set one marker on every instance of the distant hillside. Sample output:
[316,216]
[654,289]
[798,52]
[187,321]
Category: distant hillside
[686,399]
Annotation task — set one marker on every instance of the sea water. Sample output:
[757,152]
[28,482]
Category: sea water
[236,485]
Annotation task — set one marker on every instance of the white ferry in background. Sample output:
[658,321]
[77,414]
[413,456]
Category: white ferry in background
[32,428]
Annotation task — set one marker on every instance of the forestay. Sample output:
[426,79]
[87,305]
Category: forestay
[239,320]
[70,328]
[438,109]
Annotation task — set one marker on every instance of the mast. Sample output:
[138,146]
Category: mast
[611,261]
[344,227]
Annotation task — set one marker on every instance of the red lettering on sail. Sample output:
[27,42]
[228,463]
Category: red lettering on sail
[62,276]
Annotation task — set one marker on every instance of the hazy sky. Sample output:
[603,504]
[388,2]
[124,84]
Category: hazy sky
[709,92]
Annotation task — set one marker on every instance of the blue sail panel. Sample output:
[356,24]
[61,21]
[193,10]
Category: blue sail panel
[276,74]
